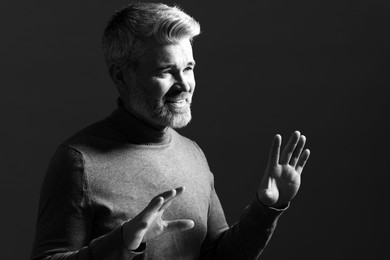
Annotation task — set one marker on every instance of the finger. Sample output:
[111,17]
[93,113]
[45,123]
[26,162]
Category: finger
[167,195]
[298,151]
[169,201]
[179,225]
[154,205]
[273,159]
[302,161]
[180,190]
[289,148]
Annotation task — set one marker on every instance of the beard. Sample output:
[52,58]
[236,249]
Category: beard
[173,109]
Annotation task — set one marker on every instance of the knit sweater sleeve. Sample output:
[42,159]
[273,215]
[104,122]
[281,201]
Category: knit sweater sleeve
[246,239]
[65,218]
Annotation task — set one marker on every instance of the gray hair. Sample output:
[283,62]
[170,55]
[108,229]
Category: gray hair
[124,39]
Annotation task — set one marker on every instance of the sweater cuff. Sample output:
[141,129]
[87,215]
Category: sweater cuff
[260,216]
[272,208]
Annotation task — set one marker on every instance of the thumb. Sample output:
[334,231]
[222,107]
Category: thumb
[179,225]
[268,197]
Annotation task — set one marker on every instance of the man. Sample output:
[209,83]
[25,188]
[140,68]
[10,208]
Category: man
[131,187]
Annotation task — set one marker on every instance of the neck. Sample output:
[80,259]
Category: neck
[143,118]
[137,129]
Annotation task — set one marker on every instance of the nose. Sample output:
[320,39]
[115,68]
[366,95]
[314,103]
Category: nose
[183,82]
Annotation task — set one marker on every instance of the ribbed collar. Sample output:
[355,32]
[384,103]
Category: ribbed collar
[136,130]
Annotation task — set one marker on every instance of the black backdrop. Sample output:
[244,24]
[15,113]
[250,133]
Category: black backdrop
[264,67]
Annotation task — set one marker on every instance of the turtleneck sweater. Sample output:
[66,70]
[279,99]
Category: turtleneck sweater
[107,173]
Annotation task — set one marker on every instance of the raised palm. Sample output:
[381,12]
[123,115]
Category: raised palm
[282,177]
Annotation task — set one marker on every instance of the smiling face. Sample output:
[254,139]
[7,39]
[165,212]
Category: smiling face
[161,88]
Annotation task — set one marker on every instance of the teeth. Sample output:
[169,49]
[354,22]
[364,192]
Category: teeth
[178,103]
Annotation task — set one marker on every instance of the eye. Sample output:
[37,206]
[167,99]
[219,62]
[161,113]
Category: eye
[163,73]
[189,68]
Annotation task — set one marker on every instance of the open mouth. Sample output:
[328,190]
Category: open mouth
[182,102]
[178,103]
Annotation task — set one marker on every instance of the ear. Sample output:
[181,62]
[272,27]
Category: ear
[117,75]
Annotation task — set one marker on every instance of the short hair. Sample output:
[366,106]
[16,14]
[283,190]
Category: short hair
[124,39]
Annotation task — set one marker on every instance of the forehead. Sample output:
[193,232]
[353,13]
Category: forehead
[177,54]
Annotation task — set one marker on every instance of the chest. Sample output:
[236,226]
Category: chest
[120,188]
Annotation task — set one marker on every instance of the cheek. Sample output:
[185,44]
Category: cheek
[190,79]
[192,83]
[156,88]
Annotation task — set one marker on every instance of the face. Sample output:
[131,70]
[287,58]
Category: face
[161,88]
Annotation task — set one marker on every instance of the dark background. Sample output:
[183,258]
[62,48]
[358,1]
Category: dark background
[263,67]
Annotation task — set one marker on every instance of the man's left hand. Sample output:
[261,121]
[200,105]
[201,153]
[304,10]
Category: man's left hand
[282,177]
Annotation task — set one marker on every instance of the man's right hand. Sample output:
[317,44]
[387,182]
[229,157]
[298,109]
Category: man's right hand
[149,224]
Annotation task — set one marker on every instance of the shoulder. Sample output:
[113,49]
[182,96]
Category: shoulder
[190,147]
[99,137]
[66,158]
